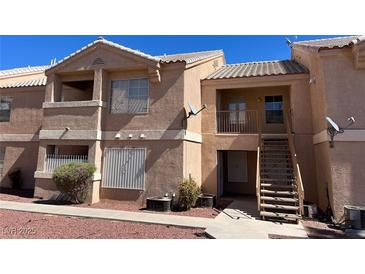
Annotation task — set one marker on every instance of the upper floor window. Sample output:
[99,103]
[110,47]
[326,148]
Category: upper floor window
[5,107]
[237,111]
[274,109]
[129,96]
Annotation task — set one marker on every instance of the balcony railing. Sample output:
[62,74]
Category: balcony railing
[237,121]
[55,160]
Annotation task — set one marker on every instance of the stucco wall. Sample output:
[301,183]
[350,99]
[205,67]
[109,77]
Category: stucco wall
[165,103]
[19,135]
[192,88]
[348,173]
[193,161]
[26,110]
[21,155]
[78,118]
[255,100]
[164,170]
[294,88]
[337,91]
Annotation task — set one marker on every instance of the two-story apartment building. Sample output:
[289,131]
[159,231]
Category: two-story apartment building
[263,132]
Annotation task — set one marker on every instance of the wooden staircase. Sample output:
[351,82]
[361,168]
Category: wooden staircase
[279,197]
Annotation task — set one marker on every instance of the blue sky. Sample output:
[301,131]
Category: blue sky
[19,51]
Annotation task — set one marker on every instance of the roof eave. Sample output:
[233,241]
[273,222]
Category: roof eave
[155,62]
[204,60]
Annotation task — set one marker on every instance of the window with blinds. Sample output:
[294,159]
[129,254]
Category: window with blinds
[274,109]
[129,96]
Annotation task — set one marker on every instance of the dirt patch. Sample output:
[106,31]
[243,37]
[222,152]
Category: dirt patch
[138,207]
[27,197]
[24,196]
[25,225]
[320,230]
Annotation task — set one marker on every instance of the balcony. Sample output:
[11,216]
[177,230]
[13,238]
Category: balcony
[237,122]
[53,161]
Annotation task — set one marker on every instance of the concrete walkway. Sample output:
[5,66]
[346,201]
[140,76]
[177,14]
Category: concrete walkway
[151,218]
[240,220]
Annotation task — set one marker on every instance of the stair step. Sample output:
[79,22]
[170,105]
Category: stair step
[275,139]
[285,216]
[275,156]
[280,143]
[278,192]
[278,186]
[279,199]
[277,168]
[267,159]
[279,147]
[276,173]
[279,180]
[271,148]
[281,207]
[282,151]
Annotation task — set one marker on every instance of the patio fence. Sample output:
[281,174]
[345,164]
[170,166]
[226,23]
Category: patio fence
[237,121]
[54,160]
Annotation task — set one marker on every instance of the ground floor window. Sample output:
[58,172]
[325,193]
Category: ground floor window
[124,168]
[274,110]
[2,157]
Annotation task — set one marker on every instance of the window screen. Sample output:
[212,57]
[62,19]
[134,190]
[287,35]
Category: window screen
[124,168]
[274,109]
[5,107]
[129,96]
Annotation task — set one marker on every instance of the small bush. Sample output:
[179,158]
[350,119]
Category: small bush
[188,194]
[15,177]
[73,179]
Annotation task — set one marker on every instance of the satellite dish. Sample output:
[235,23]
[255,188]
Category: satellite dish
[193,110]
[332,124]
[333,129]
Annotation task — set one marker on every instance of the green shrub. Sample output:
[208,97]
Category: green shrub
[15,177]
[188,193]
[73,179]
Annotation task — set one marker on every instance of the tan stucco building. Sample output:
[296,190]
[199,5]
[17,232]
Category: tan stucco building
[263,132]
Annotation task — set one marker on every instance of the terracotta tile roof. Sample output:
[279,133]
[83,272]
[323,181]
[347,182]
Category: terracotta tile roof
[27,83]
[19,71]
[190,58]
[252,69]
[329,43]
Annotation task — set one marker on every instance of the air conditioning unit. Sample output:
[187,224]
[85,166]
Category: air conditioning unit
[355,216]
[310,211]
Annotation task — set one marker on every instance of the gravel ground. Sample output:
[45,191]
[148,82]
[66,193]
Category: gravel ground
[319,230]
[24,225]
[137,207]
[27,197]
[24,196]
